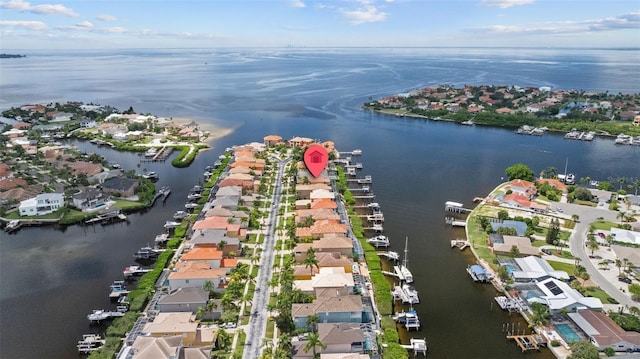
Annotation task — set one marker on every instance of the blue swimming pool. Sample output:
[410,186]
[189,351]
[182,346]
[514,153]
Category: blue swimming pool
[510,269]
[567,333]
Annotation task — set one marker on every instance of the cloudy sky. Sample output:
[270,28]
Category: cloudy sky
[97,24]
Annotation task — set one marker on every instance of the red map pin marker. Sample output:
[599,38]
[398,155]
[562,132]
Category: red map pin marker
[316,158]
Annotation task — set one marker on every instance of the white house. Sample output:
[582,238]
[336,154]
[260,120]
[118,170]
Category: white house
[558,295]
[42,204]
[623,235]
[534,268]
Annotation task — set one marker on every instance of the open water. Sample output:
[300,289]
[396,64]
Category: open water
[51,278]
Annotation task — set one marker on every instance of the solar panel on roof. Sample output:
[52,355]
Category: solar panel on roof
[553,288]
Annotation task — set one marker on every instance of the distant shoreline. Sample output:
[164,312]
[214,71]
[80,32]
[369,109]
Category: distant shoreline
[11,56]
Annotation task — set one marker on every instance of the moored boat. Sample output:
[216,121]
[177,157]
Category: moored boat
[379,241]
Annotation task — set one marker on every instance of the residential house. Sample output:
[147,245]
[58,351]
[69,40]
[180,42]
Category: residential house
[301,142]
[211,255]
[213,238]
[604,333]
[518,200]
[87,123]
[272,140]
[303,191]
[523,187]
[42,204]
[196,274]
[625,236]
[558,296]
[532,269]
[122,186]
[320,228]
[89,198]
[331,277]
[331,243]
[331,306]
[503,244]
[5,172]
[187,299]
[183,324]
[341,337]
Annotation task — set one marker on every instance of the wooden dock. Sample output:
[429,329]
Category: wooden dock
[455,207]
[455,222]
[528,342]
[106,217]
[460,243]
[162,154]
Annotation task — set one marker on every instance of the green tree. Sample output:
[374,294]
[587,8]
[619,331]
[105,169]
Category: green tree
[593,246]
[539,314]
[514,252]
[313,341]
[553,232]
[605,186]
[208,286]
[619,265]
[503,215]
[583,349]
[312,322]
[609,352]
[519,171]
[634,289]
[311,260]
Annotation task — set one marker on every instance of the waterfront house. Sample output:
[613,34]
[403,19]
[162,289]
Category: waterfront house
[301,215]
[89,198]
[331,277]
[12,182]
[327,243]
[187,299]
[341,337]
[213,238]
[196,274]
[331,306]
[303,191]
[321,228]
[531,269]
[323,203]
[325,259]
[122,186]
[221,223]
[272,140]
[503,244]
[183,324]
[301,142]
[523,187]
[42,204]
[603,332]
[557,295]
[211,255]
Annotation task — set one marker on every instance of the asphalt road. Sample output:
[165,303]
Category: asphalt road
[578,248]
[257,323]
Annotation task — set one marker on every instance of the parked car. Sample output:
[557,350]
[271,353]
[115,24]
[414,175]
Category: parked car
[229,325]
[601,235]
[546,251]
[625,279]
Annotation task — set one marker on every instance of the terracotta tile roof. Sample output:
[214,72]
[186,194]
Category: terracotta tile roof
[202,253]
[9,183]
[4,170]
[324,203]
[196,270]
[213,222]
[229,263]
[607,331]
[272,138]
[554,183]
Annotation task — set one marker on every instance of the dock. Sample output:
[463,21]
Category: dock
[455,207]
[90,343]
[163,193]
[392,256]
[162,154]
[13,225]
[134,270]
[107,217]
[528,342]
[455,222]
[419,346]
[460,243]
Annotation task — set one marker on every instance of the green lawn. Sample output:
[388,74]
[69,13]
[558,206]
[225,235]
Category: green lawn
[598,293]
[603,225]
[567,267]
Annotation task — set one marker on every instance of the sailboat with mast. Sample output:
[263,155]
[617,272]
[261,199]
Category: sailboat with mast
[568,178]
[402,271]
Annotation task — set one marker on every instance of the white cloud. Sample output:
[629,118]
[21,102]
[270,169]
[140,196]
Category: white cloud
[44,9]
[32,25]
[106,17]
[626,21]
[298,3]
[86,26]
[503,4]
[364,15]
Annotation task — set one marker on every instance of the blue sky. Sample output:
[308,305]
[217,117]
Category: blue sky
[97,24]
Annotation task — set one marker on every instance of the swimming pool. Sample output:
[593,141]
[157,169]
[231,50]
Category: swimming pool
[567,333]
[510,269]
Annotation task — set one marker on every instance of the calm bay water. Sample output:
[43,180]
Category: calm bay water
[51,278]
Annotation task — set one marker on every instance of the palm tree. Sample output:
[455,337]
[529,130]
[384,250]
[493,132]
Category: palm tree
[593,245]
[621,216]
[221,245]
[621,181]
[619,265]
[208,286]
[313,341]
[539,314]
[312,322]
[311,260]
[255,259]
[575,217]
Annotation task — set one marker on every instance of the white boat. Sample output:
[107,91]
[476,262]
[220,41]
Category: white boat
[405,295]
[161,238]
[179,215]
[379,241]
[409,319]
[392,256]
[164,191]
[570,179]
[147,252]
[12,225]
[150,175]
[99,315]
[196,189]
[192,196]
[404,270]
[134,270]
[191,205]
[411,292]
[468,123]
[171,224]
[356,152]
[151,152]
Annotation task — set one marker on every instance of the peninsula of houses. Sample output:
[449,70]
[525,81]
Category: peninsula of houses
[266,266]
[603,114]
[43,179]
